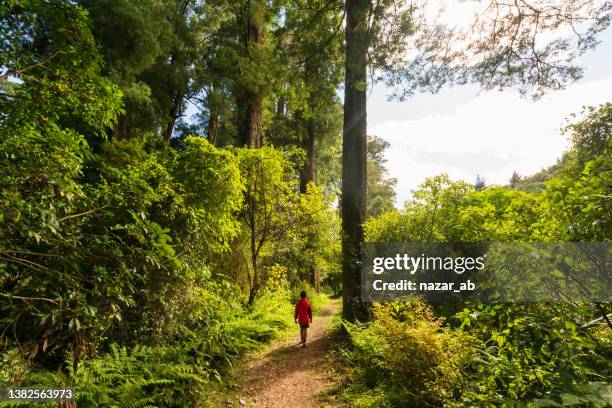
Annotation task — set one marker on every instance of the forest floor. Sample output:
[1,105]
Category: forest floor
[286,375]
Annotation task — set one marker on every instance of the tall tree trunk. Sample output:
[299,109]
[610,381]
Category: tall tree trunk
[250,107]
[213,125]
[314,276]
[120,130]
[253,246]
[250,101]
[280,106]
[173,116]
[354,169]
[307,175]
[308,171]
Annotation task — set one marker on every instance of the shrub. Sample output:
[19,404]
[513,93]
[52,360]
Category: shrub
[405,354]
[534,352]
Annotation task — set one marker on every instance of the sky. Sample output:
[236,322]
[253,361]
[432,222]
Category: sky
[465,132]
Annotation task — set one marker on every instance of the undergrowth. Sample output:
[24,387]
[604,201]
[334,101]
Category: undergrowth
[170,376]
[406,356]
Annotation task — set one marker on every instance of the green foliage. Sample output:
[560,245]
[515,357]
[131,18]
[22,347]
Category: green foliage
[314,246]
[499,354]
[579,196]
[49,47]
[126,259]
[404,356]
[527,352]
[595,394]
[172,375]
[141,376]
[591,137]
[381,193]
[279,225]
[538,354]
[131,35]
[212,184]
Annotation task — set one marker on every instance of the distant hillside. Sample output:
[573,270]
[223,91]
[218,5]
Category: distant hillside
[537,181]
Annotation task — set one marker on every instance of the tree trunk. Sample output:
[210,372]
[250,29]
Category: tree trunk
[280,106]
[120,130]
[255,286]
[213,125]
[314,276]
[253,247]
[250,108]
[173,116]
[354,169]
[308,171]
[250,101]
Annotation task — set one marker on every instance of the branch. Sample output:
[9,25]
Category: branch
[21,71]
[28,298]
[596,322]
[81,214]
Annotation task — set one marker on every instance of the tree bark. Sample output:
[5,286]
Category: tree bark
[354,168]
[250,101]
[173,116]
[120,130]
[308,171]
[253,247]
[250,106]
[213,125]
[314,275]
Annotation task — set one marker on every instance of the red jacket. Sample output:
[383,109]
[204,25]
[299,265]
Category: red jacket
[303,312]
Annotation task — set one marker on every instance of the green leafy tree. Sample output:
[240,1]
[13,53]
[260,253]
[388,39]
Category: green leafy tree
[309,51]
[131,36]
[515,180]
[579,204]
[526,353]
[381,188]
[253,20]
[280,225]
[60,95]
[311,249]
[268,207]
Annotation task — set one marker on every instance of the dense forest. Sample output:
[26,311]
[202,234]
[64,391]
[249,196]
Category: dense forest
[174,172]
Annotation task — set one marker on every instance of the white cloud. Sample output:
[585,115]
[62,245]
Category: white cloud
[491,134]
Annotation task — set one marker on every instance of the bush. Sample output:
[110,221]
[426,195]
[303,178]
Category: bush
[405,355]
[534,352]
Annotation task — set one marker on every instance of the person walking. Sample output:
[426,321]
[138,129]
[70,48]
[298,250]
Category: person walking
[303,316]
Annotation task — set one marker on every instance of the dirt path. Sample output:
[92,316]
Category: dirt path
[287,375]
